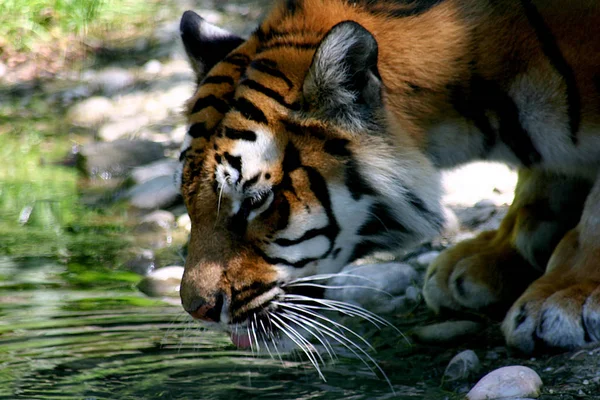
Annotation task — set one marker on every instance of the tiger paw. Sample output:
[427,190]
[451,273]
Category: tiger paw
[477,274]
[561,309]
[552,316]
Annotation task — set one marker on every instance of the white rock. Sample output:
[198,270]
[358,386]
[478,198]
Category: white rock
[184,221]
[152,67]
[427,258]
[507,383]
[123,128]
[164,167]
[156,221]
[162,282]
[159,192]
[91,112]
[380,288]
[462,365]
[445,331]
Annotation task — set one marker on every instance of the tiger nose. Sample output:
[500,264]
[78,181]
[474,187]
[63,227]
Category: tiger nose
[204,310]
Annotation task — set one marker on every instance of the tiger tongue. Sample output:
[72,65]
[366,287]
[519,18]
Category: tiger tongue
[241,341]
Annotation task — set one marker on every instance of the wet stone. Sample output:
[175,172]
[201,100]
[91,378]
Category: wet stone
[142,262]
[145,173]
[116,159]
[445,332]
[121,129]
[184,222]
[91,112]
[462,366]
[425,259]
[156,221]
[380,288]
[507,383]
[112,80]
[162,282]
[159,192]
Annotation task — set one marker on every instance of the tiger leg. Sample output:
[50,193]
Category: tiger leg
[493,269]
[562,308]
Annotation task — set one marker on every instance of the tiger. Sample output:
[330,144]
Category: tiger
[321,138]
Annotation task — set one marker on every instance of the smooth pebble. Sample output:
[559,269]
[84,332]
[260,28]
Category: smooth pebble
[462,366]
[511,382]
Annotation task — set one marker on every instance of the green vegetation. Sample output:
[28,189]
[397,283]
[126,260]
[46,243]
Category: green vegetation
[41,25]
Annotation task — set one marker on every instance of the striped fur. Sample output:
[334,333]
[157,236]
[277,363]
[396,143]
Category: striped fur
[320,137]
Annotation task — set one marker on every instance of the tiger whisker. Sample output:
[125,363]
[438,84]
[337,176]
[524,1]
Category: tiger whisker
[342,339]
[341,306]
[340,287]
[329,320]
[302,347]
[325,277]
[328,348]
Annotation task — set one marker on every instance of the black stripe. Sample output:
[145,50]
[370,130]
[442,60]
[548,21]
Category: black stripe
[268,92]
[283,209]
[468,102]
[483,96]
[381,219]
[239,134]
[237,59]
[310,234]
[218,79]
[291,159]
[276,260]
[242,296]
[234,162]
[218,158]
[211,101]
[269,67]
[290,44]
[198,130]
[250,111]
[420,206]
[303,130]
[364,248]
[336,252]
[337,147]
[558,61]
[251,182]
[355,182]
[397,8]
[183,154]
[293,6]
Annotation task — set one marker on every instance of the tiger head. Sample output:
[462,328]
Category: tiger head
[293,166]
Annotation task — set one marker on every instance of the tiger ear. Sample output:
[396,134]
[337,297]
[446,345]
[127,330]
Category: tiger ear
[343,83]
[205,44]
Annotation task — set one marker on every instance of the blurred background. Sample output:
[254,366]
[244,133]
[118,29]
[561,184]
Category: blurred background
[93,231]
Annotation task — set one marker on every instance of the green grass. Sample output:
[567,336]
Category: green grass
[25,24]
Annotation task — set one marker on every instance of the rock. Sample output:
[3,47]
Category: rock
[152,67]
[156,193]
[162,282]
[445,332]
[380,288]
[144,173]
[184,222]
[156,221]
[462,366]
[110,81]
[142,262]
[120,129]
[91,112]
[115,159]
[507,383]
[412,294]
[425,259]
